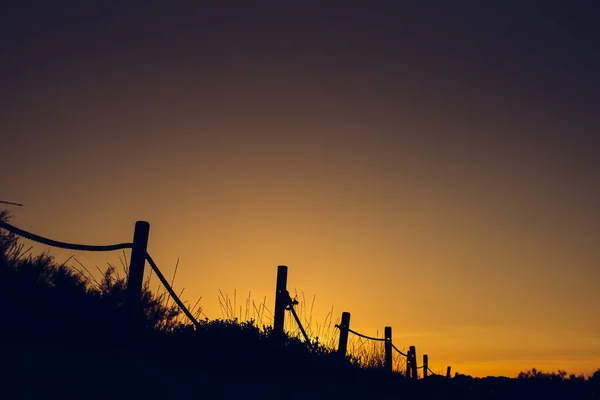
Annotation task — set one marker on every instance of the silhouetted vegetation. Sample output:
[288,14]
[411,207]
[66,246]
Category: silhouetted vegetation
[63,332]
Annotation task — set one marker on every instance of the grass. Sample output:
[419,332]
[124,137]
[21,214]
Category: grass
[363,352]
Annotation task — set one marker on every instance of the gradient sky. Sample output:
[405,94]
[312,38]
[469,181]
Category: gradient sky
[431,166]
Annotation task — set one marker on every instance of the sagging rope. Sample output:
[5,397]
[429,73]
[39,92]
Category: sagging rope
[290,303]
[360,334]
[370,338]
[85,247]
[395,348]
[11,203]
[162,279]
[62,245]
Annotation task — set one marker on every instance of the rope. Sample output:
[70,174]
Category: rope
[11,203]
[395,348]
[171,292]
[366,337]
[291,308]
[62,245]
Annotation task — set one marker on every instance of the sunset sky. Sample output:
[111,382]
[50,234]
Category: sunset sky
[427,165]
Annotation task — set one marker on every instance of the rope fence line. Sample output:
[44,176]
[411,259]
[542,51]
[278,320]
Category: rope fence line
[113,247]
[405,355]
[365,336]
[372,338]
[163,280]
[63,245]
[11,203]
[395,348]
[347,328]
[411,369]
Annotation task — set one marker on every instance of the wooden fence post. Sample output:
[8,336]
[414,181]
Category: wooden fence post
[448,372]
[136,268]
[388,348]
[413,362]
[343,343]
[280,300]
[408,364]
[425,366]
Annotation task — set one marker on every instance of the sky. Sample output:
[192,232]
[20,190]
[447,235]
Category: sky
[429,166]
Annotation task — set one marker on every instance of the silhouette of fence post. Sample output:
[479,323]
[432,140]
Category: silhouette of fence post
[343,343]
[136,268]
[448,372]
[388,348]
[413,362]
[280,300]
[409,361]
[425,366]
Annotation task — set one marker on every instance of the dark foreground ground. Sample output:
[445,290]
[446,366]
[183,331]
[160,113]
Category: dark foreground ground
[45,372]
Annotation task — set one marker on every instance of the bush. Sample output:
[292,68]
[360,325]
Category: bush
[39,295]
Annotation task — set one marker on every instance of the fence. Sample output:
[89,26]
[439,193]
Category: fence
[283,301]
[139,256]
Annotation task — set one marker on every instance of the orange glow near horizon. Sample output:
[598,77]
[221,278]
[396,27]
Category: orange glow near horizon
[403,173]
